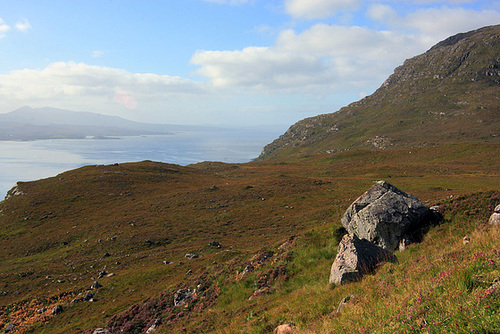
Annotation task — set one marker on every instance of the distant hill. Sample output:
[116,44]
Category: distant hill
[51,123]
[449,94]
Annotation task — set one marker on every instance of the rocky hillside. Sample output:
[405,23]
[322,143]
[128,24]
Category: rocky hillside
[449,94]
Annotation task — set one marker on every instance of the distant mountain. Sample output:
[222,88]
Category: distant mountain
[51,123]
[449,94]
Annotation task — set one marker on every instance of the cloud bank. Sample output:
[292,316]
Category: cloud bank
[78,83]
[318,60]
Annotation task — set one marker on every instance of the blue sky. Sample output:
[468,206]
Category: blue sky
[225,62]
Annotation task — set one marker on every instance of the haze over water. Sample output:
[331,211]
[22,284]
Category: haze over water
[33,160]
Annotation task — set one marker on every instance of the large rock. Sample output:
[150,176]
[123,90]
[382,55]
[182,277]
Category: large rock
[386,216]
[495,217]
[357,257]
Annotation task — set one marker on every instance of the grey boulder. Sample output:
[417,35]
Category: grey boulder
[495,217]
[356,258]
[386,216]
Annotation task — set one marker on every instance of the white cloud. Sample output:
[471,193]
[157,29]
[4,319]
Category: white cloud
[3,28]
[317,9]
[383,13]
[431,25]
[23,25]
[319,59]
[83,84]
[443,22]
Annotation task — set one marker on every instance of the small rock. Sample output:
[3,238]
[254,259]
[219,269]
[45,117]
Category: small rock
[183,296]
[215,244]
[191,256]
[101,331]
[285,329]
[167,262]
[404,242]
[466,240]
[102,274]
[88,296]
[96,285]
[41,310]
[343,303]
[77,300]
[106,254]
[153,327]
[57,309]
[9,327]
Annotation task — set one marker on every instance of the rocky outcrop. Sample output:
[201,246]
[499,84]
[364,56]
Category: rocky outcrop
[357,257]
[15,191]
[495,217]
[183,296]
[387,216]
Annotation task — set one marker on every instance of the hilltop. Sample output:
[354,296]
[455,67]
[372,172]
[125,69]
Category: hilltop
[449,94]
[244,248]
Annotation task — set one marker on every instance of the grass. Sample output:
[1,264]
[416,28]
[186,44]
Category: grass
[143,214]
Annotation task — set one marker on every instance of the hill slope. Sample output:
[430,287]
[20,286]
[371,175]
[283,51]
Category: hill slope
[278,225]
[449,94]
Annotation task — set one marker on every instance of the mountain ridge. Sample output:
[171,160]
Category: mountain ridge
[447,94]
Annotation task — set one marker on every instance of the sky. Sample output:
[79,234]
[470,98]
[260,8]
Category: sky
[216,62]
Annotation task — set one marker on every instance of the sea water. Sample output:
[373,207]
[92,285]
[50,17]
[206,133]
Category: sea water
[33,160]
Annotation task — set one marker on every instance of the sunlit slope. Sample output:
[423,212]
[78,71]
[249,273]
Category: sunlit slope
[138,221]
[450,94]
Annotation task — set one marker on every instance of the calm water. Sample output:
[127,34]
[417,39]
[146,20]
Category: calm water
[33,160]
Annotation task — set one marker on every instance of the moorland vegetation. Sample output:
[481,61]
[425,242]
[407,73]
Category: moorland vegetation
[244,248]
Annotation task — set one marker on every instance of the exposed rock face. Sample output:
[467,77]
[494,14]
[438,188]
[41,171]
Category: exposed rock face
[15,191]
[357,257]
[183,296]
[387,216]
[495,217]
